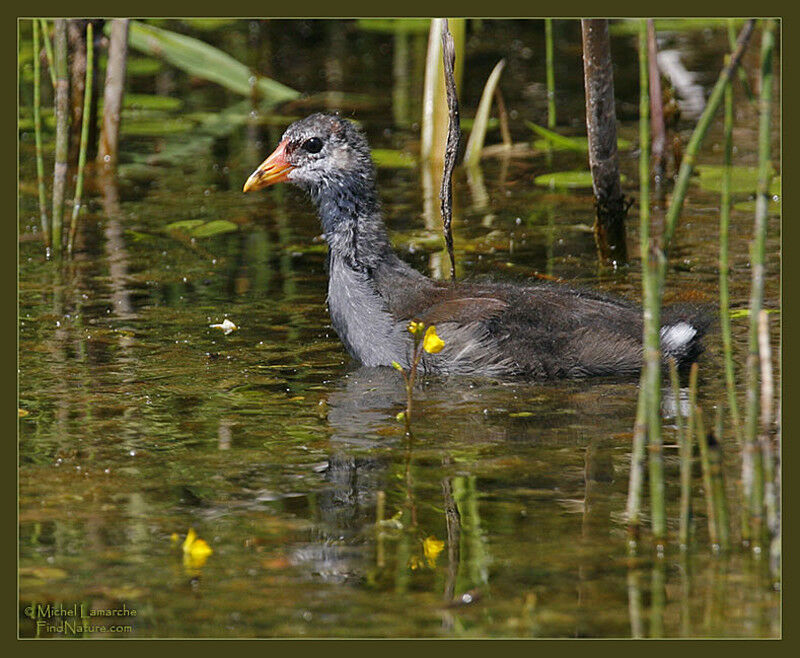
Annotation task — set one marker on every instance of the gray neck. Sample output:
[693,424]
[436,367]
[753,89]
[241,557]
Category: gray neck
[350,216]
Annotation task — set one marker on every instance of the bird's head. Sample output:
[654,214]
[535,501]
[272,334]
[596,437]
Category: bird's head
[321,152]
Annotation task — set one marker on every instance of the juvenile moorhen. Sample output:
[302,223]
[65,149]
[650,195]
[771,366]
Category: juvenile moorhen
[531,331]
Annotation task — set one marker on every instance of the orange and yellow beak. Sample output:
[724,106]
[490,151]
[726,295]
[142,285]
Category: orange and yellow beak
[273,170]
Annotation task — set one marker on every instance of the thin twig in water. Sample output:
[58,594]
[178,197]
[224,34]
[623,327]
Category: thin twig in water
[453,139]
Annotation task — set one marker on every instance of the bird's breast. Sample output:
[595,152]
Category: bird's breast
[361,319]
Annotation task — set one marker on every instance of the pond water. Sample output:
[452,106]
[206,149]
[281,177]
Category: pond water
[503,515]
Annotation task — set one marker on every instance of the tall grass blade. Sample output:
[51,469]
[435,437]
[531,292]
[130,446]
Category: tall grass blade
[478,134]
[429,90]
[434,100]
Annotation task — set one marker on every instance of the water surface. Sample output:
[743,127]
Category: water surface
[504,514]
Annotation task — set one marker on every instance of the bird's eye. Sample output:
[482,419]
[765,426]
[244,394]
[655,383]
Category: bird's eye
[313,145]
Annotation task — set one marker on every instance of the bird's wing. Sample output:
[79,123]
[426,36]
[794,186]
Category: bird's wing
[462,310]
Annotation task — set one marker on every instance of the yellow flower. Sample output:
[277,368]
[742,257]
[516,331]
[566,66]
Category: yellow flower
[432,343]
[415,328]
[432,547]
[195,550]
[397,366]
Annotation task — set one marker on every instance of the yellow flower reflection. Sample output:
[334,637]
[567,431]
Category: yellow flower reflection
[195,550]
[432,547]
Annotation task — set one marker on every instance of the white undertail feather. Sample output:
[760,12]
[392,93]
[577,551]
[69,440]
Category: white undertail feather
[675,337]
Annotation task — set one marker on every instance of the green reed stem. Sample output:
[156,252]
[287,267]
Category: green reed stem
[658,599]
[764,439]
[62,131]
[48,50]
[724,304]
[705,462]
[718,484]
[37,126]
[699,133]
[652,307]
[636,476]
[87,101]
[551,84]
[691,423]
[685,453]
[755,495]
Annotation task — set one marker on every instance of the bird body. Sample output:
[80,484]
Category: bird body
[533,331]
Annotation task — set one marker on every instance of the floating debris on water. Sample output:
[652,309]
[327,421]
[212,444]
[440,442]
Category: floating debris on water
[227,326]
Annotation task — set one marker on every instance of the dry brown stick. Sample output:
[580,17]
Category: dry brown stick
[115,87]
[453,139]
[601,128]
